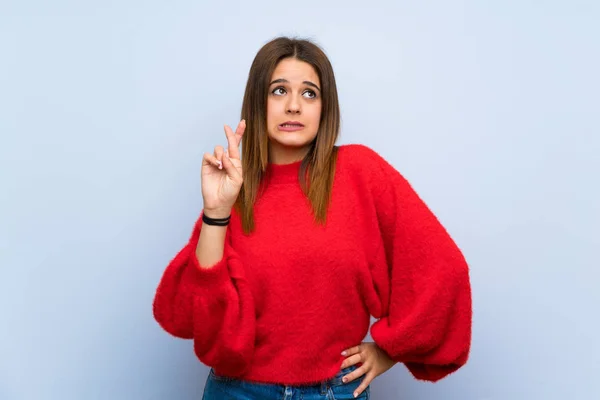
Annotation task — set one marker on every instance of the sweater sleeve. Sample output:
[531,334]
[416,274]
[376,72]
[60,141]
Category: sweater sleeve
[426,313]
[213,306]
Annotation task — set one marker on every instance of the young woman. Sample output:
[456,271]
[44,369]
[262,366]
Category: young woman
[300,242]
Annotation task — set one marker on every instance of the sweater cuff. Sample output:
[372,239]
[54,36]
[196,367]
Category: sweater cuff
[432,373]
[215,275]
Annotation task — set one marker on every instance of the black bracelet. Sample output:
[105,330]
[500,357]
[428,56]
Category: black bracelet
[215,221]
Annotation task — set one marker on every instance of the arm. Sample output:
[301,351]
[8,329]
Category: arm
[207,303]
[426,319]
[211,243]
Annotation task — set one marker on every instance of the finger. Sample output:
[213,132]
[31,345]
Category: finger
[352,350]
[219,151]
[209,159]
[351,360]
[230,169]
[219,155]
[357,373]
[233,139]
[239,132]
[363,385]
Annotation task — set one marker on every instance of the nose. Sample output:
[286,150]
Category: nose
[293,106]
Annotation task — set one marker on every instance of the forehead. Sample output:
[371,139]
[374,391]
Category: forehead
[295,71]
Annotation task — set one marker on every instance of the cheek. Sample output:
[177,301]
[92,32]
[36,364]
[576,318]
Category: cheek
[270,110]
[315,114]
[273,107]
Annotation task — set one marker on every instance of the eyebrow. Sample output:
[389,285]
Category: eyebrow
[281,80]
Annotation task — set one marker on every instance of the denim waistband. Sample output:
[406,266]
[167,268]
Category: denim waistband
[335,381]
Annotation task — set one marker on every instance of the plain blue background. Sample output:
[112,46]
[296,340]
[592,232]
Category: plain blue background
[490,109]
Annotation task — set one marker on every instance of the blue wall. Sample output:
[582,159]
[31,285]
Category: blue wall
[489,108]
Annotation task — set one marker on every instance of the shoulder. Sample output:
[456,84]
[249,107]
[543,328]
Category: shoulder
[361,159]
[358,151]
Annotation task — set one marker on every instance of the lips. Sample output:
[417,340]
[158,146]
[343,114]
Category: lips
[292,124]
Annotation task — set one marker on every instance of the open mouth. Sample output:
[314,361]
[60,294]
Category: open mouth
[291,125]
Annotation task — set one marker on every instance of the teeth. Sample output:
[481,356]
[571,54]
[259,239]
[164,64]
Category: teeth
[290,125]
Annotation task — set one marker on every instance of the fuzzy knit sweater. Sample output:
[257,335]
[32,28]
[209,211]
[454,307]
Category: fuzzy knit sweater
[285,300]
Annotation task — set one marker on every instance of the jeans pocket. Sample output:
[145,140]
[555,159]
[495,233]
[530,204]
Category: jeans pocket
[343,391]
[346,391]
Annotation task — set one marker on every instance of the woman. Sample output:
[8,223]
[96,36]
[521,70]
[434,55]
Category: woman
[300,242]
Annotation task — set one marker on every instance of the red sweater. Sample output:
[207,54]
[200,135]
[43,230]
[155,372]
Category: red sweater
[286,300]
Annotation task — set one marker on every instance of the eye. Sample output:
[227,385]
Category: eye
[309,94]
[279,91]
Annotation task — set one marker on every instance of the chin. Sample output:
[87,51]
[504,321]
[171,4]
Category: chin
[286,139]
[293,145]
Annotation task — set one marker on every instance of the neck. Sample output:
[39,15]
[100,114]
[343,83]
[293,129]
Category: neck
[281,155]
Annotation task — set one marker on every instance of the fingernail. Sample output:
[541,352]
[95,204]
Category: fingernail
[344,353]
[355,394]
[344,379]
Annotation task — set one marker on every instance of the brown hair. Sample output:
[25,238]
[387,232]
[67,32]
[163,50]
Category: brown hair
[318,166]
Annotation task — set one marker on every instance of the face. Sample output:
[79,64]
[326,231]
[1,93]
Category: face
[293,110]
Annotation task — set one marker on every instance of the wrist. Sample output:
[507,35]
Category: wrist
[217,213]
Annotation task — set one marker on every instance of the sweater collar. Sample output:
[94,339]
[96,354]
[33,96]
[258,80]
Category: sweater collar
[283,173]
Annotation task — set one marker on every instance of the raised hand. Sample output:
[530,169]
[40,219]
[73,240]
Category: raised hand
[222,175]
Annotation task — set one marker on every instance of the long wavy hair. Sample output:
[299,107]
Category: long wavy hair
[317,169]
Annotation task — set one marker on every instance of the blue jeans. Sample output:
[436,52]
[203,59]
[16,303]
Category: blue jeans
[225,388]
